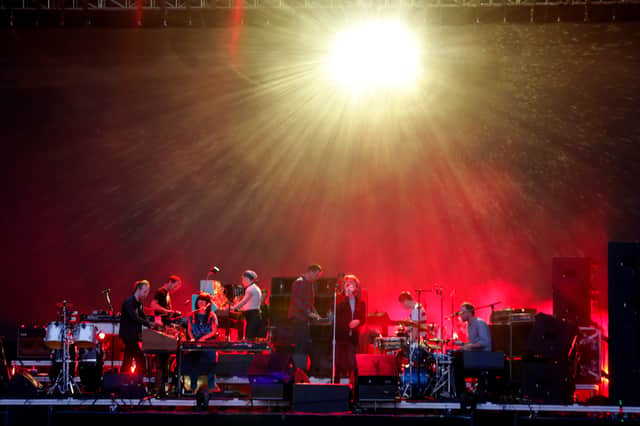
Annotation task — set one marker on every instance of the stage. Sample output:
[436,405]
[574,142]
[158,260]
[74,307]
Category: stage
[71,411]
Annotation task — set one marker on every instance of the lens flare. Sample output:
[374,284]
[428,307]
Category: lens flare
[375,54]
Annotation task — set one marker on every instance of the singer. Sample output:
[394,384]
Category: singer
[203,326]
[351,314]
[477,330]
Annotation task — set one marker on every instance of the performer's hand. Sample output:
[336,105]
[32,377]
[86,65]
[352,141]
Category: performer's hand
[201,339]
[467,347]
[314,316]
[355,323]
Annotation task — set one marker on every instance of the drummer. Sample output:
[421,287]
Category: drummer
[417,315]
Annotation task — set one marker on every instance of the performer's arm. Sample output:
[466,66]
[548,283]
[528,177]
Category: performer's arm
[214,329]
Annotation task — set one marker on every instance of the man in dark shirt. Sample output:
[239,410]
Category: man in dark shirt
[161,302]
[131,321]
[163,313]
[301,311]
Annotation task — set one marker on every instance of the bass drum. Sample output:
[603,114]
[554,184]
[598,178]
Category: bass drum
[415,382]
[90,363]
[54,337]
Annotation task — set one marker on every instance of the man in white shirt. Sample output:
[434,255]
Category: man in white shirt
[250,304]
[417,317]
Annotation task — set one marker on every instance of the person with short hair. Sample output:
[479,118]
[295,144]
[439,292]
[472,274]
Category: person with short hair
[477,330]
[164,314]
[302,311]
[162,303]
[417,315]
[250,304]
[131,321]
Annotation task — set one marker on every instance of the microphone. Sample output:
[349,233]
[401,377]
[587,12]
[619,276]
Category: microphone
[455,314]
[214,270]
[106,291]
[186,302]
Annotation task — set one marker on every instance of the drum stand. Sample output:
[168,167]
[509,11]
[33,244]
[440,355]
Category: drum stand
[64,383]
[444,385]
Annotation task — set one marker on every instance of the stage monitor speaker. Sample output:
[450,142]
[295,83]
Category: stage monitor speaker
[571,285]
[233,365]
[320,398]
[125,385]
[624,322]
[271,376]
[551,339]
[377,377]
[24,384]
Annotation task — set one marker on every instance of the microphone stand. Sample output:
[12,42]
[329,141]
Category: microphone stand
[333,356]
[417,347]
[113,329]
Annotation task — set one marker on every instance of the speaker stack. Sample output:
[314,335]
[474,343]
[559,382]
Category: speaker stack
[624,322]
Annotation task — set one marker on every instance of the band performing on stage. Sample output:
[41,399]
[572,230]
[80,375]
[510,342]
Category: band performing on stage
[323,325]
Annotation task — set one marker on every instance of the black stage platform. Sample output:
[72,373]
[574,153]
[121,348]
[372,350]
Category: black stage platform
[241,412]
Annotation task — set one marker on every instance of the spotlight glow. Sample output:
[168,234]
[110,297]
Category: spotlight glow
[375,54]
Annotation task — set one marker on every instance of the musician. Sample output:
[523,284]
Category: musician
[265,313]
[302,311]
[131,321]
[479,340]
[164,313]
[161,302]
[417,315]
[203,326]
[477,330]
[350,317]
[250,304]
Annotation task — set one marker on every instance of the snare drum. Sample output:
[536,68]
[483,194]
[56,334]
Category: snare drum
[84,335]
[54,337]
[389,344]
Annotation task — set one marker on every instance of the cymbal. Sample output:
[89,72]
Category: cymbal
[67,305]
[436,340]
[410,323]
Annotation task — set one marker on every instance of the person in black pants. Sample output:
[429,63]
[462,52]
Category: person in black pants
[302,311]
[131,321]
[250,304]
[350,316]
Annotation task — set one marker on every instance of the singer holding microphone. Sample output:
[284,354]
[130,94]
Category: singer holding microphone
[350,317]
[202,326]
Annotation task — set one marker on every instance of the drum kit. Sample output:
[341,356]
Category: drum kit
[69,340]
[426,366]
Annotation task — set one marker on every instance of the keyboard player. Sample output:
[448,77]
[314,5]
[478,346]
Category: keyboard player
[131,322]
[203,326]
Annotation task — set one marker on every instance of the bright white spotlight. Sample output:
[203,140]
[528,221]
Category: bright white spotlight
[375,54]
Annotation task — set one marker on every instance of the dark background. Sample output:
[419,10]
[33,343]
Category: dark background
[135,154]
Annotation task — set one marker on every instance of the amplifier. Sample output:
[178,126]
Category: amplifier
[31,343]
